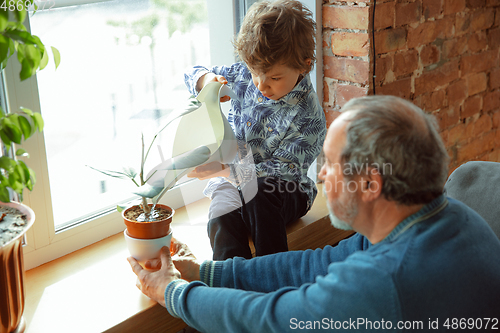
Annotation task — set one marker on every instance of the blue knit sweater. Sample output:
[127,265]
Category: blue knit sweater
[437,267]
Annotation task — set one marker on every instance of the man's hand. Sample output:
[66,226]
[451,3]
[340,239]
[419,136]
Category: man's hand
[210,170]
[154,283]
[211,77]
[183,259]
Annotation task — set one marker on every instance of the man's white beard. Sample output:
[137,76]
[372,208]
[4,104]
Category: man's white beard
[335,221]
[348,207]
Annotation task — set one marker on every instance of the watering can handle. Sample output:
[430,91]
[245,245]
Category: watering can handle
[215,90]
[226,91]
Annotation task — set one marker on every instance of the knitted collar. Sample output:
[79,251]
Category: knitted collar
[423,214]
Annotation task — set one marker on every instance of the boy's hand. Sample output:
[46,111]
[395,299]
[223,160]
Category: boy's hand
[210,170]
[211,77]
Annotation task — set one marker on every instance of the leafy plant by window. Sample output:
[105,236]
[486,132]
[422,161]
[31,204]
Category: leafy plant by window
[15,127]
[180,162]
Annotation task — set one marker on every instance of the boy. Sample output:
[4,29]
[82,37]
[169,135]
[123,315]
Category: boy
[280,128]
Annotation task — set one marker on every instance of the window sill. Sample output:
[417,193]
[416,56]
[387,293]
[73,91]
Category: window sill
[93,289]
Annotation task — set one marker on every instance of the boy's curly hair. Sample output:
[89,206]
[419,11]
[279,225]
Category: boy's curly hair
[280,32]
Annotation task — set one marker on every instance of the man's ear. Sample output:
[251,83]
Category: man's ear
[371,187]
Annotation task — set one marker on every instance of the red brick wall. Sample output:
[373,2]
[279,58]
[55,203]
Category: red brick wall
[444,55]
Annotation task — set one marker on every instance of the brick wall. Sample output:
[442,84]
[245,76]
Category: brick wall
[444,55]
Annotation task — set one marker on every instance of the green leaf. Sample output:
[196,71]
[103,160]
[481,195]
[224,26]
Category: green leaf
[4,18]
[25,171]
[20,171]
[130,172]
[6,141]
[4,64]
[33,55]
[26,69]
[20,14]
[16,185]
[25,126]
[148,191]
[57,56]
[11,131]
[22,152]
[37,118]
[32,179]
[12,48]
[114,174]
[4,193]
[45,60]
[7,163]
[19,34]
[4,47]
[27,111]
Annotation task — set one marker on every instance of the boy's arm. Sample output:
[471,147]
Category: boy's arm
[197,77]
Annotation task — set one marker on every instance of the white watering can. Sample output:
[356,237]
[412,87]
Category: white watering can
[196,136]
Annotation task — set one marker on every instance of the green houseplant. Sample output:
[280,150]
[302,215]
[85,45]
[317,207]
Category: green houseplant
[201,135]
[157,216]
[15,175]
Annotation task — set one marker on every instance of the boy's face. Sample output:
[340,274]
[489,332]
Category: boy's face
[278,81]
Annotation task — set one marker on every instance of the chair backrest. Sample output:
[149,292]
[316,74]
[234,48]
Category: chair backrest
[477,184]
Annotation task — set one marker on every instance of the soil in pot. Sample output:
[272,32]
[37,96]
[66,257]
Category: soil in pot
[136,213]
[156,225]
[12,224]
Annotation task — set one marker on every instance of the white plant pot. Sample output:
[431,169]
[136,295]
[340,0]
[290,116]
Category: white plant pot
[145,249]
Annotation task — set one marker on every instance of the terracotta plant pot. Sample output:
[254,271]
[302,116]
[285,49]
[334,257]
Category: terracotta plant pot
[148,230]
[12,276]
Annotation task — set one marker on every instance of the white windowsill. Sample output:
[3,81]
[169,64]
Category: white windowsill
[93,289]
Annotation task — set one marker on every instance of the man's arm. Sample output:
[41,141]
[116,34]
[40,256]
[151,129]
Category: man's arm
[355,288]
[271,272]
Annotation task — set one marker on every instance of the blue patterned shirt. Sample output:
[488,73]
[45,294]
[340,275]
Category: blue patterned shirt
[275,138]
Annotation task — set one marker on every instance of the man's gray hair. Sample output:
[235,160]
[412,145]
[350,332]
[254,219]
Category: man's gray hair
[401,142]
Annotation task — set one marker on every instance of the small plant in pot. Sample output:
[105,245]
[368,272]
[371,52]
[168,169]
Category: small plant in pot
[201,135]
[148,222]
[15,176]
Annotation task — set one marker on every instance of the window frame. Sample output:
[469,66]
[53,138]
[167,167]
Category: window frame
[43,242]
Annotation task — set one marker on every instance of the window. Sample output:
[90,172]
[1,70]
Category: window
[121,74]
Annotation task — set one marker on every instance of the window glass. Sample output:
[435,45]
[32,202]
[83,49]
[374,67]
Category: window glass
[121,74]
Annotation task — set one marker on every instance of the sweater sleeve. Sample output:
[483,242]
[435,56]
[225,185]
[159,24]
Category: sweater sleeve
[231,73]
[351,294]
[271,272]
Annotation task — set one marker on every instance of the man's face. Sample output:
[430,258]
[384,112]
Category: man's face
[342,198]
[278,81]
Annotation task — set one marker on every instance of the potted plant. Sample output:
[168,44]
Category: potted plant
[142,219]
[147,221]
[15,175]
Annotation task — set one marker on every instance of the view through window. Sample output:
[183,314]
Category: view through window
[121,74]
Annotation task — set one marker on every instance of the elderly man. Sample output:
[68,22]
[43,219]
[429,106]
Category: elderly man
[419,260]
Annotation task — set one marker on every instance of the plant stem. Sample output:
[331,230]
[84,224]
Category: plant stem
[145,206]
